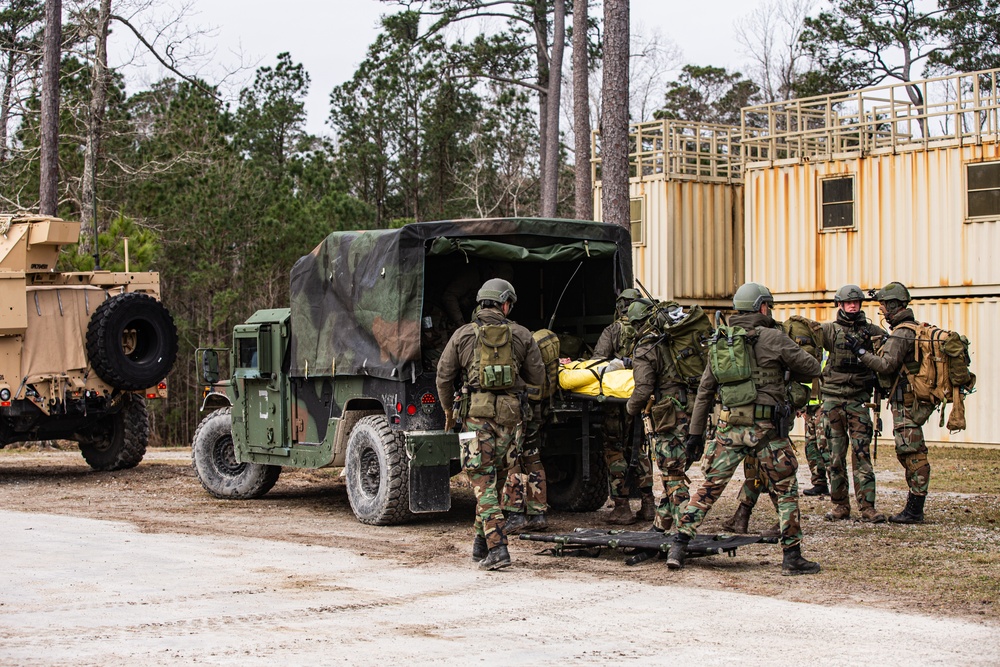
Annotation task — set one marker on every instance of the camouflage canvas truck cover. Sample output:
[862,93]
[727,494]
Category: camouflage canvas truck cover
[346,375]
[80,352]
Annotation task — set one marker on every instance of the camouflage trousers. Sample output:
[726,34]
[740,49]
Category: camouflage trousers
[484,458]
[671,457]
[907,419]
[776,459]
[816,448]
[755,479]
[618,455]
[525,490]
[848,424]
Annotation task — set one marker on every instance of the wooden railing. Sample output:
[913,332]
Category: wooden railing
[960,107]
[703,151]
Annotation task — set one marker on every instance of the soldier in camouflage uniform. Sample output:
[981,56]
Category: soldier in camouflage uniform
[656,377]
[495,417]
[892,362]
[759,431]
[817,454]
[847,391]
[617,341]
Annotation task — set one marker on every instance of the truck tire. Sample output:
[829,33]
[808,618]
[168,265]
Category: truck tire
[568,491]
[377,473]
[213,458]
[119,442]
[132,341]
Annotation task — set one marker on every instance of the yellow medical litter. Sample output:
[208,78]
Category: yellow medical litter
[592,378]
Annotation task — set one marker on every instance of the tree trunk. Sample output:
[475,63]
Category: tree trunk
[98,100]
[8,92]
[614,114]
[582,185]
[51,57]
[550,177]
[541,22]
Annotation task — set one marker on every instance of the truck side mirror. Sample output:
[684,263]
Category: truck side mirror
[210,366]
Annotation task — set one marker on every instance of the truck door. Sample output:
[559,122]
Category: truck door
[261,400]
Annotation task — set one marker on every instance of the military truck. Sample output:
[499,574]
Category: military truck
[346,375]
[80,352]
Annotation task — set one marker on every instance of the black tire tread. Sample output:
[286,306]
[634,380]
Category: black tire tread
[397,506]
[263,477]
[588,496]
[135,437]
[98,342]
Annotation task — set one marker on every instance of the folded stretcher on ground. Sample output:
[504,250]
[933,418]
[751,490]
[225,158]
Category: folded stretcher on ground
[596,378]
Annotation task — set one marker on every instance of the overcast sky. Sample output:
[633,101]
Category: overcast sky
[330,37]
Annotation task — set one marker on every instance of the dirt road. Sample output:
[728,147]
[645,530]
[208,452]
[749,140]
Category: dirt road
[142,565]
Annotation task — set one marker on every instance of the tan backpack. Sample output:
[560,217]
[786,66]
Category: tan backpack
[943,376]
[548,345]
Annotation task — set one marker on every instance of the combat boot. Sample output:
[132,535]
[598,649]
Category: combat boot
[773,531]
[621,515]
[647,511]
[515,523]
[479,548]
[818,490]
[678,551]
[536,522]
[913,512]
[838,513]
[793,563]
[738,524]
[870,515]
[497,559]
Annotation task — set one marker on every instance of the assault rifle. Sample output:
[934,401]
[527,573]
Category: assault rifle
[876,406]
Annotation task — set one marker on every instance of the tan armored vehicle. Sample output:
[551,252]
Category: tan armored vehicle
[79,352]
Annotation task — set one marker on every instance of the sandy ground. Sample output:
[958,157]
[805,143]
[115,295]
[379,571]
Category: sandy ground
[142,566]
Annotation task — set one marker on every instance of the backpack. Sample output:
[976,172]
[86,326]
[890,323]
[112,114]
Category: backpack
[730,355]
[808,335]
[943,375]
[548,345]
[686,342]
[497,370]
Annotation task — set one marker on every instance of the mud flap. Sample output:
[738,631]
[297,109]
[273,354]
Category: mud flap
[642,545]
[430,488]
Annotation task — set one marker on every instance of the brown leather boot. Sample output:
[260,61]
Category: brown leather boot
[871,515]
[738,524]
[621,515]
[647,511]
[838,513]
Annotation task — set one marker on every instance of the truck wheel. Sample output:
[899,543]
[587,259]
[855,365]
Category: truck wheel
[132,341]
[214,460]
[119,442]
[566,488]
[377,473]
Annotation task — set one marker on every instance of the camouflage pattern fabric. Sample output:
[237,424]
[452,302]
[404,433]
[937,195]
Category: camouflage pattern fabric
[356,298]
[777,460]
[493,450]
[816,447]
[754,482]
[617,454]
[525,489]
[907,419]
[671,457]
[848,424]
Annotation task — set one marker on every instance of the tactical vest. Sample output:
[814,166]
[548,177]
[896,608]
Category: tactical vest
[625,345]
[735,368]
[843,360]
[493,364]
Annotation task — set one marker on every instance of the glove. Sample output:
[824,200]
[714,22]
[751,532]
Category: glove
[856,344]
[694,447]
[627,362]
[449,421]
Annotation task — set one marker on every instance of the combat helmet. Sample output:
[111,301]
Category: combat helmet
[894,291]
[496,290]
[625,299]
[639,311]
[750,296]
[849,293]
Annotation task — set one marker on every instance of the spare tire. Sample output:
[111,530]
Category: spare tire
[132,341]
